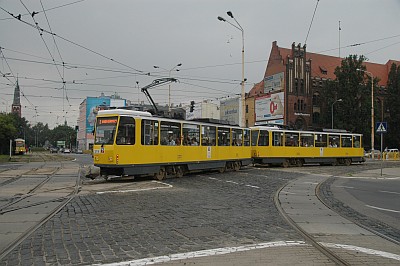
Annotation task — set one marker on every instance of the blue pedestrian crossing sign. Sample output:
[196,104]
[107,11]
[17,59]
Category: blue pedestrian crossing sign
[381,127]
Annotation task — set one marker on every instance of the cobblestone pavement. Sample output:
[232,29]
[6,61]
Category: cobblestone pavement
[196,212]
[200,211]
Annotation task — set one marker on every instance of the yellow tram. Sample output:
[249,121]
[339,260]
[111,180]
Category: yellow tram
[19,146]
[271,145]
[136,143]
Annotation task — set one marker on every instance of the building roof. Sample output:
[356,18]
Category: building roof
[322,66]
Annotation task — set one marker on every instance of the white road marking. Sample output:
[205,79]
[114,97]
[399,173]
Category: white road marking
[252,186]
[363,250]
[136,190]
[232,182]
[382,209]
[207,253]
[344,187]
[391,192]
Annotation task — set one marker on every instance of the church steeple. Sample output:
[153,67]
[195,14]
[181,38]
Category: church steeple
[16,106]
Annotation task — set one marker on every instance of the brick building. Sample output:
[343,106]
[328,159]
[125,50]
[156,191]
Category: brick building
[294,80]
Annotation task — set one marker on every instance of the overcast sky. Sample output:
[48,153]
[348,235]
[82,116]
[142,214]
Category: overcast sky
[111,46]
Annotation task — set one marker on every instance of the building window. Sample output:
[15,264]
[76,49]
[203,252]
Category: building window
[316,118]
[323,69]
[316,99]
[247,108]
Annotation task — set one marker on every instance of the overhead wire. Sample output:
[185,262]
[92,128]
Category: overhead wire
[315,10]
[49,9]
[58,50]
[18,17]
[361,43]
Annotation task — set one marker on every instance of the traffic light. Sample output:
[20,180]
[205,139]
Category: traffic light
[191,106]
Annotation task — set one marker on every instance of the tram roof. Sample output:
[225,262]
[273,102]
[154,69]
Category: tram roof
[274,128]
[123,112]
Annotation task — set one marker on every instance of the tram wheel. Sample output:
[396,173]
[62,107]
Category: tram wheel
[347,162]
[299,162]
[222,169]
[161,175]
[335,163]
[178,171]
[285,164]
[236,166]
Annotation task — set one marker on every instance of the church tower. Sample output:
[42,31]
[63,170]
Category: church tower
[16,106]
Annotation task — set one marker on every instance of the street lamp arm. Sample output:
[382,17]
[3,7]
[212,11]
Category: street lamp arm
[224,20]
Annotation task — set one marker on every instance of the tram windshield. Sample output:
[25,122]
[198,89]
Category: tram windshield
[105,130]
[19,143]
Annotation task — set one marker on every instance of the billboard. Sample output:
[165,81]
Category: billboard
[270,107]
[117,102]
[93,105]
[273,83]
[230,110]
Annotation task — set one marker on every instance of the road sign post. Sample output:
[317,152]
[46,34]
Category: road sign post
[381,127]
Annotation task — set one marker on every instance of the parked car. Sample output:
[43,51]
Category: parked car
[79,151]
[377,154]
[66,150]
[53,150]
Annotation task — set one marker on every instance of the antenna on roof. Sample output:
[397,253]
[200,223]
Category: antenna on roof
[339,37]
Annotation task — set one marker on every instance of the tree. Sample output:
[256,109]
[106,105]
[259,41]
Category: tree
[40,133]
[354,88]
[8,131]
[393,96]
[63,133]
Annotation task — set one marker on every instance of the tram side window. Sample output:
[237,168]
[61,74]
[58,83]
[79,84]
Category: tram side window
[357,141]
[306,140]
[278,138]
[346,141]
[126,131]
[237,137]
[170,133]
[334,141]
[264,138]
[191,135]
[321,140]
[223,136]
[246,137]
[208,135]
[291,139]
[149,132]
[254,137]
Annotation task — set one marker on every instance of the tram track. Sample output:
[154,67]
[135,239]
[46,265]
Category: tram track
[16,203]
[308,237]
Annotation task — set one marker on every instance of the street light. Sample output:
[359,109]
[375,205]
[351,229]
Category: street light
[372,110]
[339,100]
[169,85]
[239,27]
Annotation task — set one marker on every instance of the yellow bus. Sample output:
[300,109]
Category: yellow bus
[271,145]
[135,143]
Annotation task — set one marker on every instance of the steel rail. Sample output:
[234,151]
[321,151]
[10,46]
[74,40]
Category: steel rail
[328,253]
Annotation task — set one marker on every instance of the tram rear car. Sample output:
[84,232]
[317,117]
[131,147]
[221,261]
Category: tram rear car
[289,147]
[131,143]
